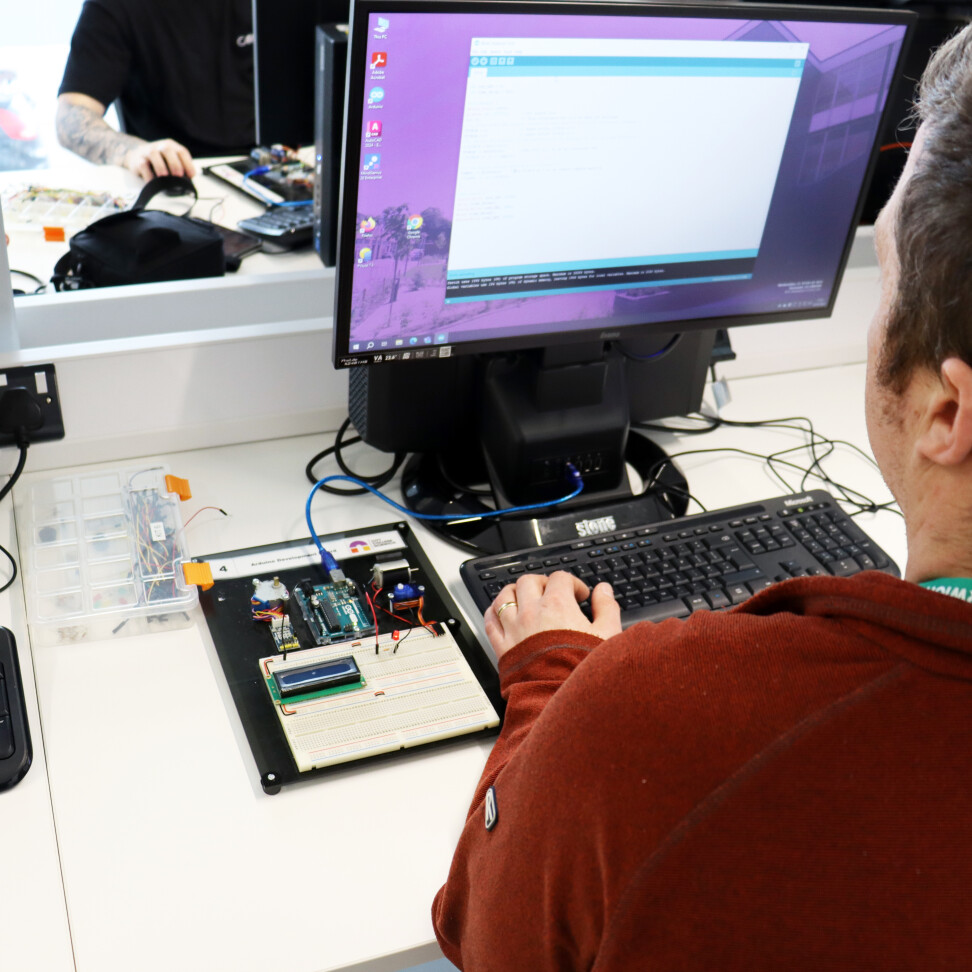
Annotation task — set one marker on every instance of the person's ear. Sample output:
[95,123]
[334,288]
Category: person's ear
[947,436]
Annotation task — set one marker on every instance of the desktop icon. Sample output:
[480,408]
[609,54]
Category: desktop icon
[373,129]
[383,23]
[372,162]
[364,255]
[379,59]
[367,226]
[375,95]
[414,222]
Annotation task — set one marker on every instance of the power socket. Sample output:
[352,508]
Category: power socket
[29,401]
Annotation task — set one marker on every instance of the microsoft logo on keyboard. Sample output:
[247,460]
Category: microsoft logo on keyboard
[591,528]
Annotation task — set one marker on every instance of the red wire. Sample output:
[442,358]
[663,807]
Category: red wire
[201,508]
[374,616]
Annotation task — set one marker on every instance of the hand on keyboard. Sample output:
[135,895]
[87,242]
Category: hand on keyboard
[537,603]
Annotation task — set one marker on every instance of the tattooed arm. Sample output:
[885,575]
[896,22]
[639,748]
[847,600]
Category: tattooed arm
[81,127]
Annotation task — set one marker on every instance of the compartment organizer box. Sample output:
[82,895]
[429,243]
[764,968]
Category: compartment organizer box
[104,555]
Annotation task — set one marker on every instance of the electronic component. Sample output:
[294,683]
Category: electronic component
[334,612]
[404,596]
[282,632]
[387,573]
[424,692]
[269,603]
[267,596]
[317,678]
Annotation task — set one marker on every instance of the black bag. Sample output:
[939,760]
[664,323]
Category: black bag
[142,246]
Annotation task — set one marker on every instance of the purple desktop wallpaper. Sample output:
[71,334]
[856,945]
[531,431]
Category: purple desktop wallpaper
[405,199]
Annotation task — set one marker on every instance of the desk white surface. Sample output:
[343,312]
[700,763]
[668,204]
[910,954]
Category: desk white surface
[34,934]
[173,857]
[167,845]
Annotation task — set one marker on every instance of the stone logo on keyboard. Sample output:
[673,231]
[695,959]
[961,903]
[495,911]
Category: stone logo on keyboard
[593,528]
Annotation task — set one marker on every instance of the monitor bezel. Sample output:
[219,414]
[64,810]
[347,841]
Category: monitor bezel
[361,10]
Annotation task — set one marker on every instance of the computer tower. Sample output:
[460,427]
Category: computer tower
[332,59]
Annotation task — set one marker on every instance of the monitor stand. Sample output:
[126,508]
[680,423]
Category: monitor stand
[430,484]
[499,421]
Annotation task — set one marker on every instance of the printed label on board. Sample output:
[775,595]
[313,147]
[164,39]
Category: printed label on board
[340,548]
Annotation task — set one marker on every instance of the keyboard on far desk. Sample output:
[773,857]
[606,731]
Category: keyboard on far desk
[704,562]
[285,226]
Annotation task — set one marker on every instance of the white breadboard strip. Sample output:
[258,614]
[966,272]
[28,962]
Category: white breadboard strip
[423,692]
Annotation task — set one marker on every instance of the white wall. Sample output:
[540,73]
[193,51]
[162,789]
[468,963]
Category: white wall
[48,22]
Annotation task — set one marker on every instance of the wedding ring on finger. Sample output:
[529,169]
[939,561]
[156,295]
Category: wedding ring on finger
[503,607]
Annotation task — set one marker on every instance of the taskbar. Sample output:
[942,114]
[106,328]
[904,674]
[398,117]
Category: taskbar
[387,357]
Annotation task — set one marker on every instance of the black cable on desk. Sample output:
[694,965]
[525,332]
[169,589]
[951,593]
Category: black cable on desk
[377,480]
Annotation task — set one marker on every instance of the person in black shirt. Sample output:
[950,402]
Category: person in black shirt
[181,72]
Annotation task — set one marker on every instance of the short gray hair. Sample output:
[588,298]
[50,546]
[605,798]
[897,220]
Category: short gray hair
[931,316]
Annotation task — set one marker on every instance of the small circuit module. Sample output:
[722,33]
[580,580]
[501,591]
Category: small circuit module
[334,612]
[269,604]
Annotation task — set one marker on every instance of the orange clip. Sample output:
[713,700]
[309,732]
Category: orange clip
[54,234]
[178,486]
[199,574]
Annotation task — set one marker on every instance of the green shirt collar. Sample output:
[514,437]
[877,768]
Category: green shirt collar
[960,587]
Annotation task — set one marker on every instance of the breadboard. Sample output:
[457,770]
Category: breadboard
[418,688]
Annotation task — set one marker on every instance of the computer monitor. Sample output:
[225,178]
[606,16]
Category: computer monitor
[537,196]
[284,66]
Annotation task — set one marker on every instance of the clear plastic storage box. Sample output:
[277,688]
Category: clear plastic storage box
[102,556]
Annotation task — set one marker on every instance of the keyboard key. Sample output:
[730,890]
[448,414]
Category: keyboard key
[760,585]
[717,600]
[737,593]
[656,612]
[743,576]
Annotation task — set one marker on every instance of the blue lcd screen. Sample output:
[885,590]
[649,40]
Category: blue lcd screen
[317,676]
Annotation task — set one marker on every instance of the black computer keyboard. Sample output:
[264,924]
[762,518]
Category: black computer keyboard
[287,226]
[703,562]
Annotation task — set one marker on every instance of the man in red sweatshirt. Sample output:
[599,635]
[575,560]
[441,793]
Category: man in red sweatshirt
[787,785]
